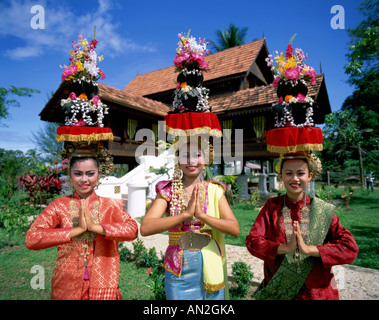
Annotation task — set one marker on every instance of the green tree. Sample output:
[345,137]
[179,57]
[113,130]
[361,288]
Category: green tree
[229,38]
[363,67]
[5,103]
[345,139]
[45,140]
[353,132]
[363,55]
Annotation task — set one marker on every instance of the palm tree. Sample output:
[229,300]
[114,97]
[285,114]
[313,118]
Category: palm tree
[229,38]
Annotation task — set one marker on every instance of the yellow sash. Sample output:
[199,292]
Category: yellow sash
[214,265]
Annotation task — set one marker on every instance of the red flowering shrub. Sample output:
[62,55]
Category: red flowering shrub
[40,188]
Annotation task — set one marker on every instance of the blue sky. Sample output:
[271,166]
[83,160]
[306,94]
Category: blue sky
[141,36]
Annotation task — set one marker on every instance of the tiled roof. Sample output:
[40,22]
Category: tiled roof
[53,112]
[256,98]
[229,62]
[133,101]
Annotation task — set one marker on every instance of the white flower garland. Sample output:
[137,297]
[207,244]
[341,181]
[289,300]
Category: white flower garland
[289,118]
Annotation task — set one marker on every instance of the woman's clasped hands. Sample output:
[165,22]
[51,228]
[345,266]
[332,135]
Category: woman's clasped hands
[297,242]
[193,210]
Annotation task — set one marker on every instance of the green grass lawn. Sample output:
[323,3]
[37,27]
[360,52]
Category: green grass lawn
[15,269]
[361,217]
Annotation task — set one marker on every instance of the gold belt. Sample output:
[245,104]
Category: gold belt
[190,240]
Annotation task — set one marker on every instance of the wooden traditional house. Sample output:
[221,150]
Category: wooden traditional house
[240,94]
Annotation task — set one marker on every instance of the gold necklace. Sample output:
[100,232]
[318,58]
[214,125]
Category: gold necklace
[304,228]
[74,213]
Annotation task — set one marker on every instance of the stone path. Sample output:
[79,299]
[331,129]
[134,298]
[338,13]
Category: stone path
[354,283]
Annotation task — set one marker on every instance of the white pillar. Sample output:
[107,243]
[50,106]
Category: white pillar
[273,182]
[137,198]
[243,193]
[262,183]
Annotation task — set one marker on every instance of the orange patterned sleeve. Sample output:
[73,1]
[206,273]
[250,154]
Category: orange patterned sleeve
[47,230]
[119,225]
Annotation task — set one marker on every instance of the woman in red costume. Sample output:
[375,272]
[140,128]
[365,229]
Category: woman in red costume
[299,238]
[86,229]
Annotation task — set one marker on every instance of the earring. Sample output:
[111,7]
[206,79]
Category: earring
[203,174]
[69,182]
[178,173]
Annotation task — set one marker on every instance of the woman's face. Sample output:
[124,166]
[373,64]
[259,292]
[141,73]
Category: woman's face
[84,176]
[191,159]
[295,176]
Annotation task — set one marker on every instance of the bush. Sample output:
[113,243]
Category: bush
[243,275]
[156,281]
[40,188]
[14,215]
[144,258]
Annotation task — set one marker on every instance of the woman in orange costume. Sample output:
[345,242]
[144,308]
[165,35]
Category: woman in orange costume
[86,229]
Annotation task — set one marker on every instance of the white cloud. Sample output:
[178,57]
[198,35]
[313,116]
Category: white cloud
[61,27]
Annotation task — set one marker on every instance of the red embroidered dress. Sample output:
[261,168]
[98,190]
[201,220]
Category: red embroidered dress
[92,252]
[268,232]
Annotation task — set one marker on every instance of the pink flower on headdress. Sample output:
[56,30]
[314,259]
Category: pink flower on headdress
[95,100]
[72,96]
[102,74]
[200,60]
[80,123]
[292,73]
[300,97]
[180,58]
[69,71]
[275,82]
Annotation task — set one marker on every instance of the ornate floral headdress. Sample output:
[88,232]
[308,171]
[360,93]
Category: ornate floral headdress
[190,113]
[84,131]
[295,136]
[83,106]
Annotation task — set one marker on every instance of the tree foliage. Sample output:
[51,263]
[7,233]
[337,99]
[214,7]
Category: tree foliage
[229,38]
[352,133]
[45,140]
[6,103]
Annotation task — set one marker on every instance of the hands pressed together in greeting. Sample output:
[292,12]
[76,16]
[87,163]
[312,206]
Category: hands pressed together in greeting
[193,209]
[297,242]
[86,222]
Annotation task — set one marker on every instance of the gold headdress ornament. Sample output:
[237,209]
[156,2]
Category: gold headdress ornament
[313,161]
[89,150]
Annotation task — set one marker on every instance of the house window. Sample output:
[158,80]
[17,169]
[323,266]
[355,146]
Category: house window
[259,126]
[155,131]
[132,128]
[227,124]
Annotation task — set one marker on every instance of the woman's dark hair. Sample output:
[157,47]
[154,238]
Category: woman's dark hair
[74,160]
